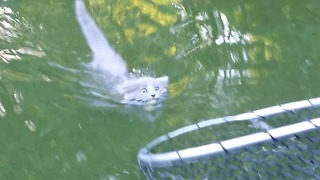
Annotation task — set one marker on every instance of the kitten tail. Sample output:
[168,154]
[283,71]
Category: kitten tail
[104,57]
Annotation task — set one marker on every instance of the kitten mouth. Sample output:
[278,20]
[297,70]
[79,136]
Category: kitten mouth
[148,101]
[153,100]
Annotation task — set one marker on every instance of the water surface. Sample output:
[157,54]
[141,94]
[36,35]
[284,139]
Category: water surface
[222,58]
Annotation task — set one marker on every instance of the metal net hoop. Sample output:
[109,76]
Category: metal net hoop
[286,136]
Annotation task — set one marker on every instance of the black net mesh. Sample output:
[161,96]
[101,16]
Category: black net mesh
[294,156]
[235,129]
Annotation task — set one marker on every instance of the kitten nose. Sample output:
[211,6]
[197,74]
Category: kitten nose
[153,95]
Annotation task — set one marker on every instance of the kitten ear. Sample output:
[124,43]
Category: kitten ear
[163,79]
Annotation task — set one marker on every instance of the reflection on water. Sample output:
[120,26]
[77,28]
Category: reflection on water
[8,28]
[227,34]
[11,26]
[8,33]
[222,59]
[2,110]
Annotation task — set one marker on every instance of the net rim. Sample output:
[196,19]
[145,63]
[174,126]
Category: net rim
[167,159]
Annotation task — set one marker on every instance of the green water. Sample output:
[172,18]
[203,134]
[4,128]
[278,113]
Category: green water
[222,58]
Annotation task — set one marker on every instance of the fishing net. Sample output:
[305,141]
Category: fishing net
[276,142]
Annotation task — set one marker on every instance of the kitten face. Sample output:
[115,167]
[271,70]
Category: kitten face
[145,90]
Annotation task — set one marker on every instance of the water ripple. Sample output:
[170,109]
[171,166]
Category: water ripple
[2,110]
[11,26]
[8,24]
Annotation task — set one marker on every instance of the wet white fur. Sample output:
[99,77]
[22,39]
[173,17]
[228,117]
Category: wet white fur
[143,90]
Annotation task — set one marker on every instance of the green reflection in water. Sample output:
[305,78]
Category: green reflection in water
[222,59]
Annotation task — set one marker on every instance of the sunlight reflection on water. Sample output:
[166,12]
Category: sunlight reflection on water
[2,110]
[8,30]
[10,26]
[218,63]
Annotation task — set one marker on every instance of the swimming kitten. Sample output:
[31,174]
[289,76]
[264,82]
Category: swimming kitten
[142,90]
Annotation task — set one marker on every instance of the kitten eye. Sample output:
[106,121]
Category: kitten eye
[144,90]
[156,88]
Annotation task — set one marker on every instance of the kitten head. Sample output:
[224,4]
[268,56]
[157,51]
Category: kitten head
[144,90]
